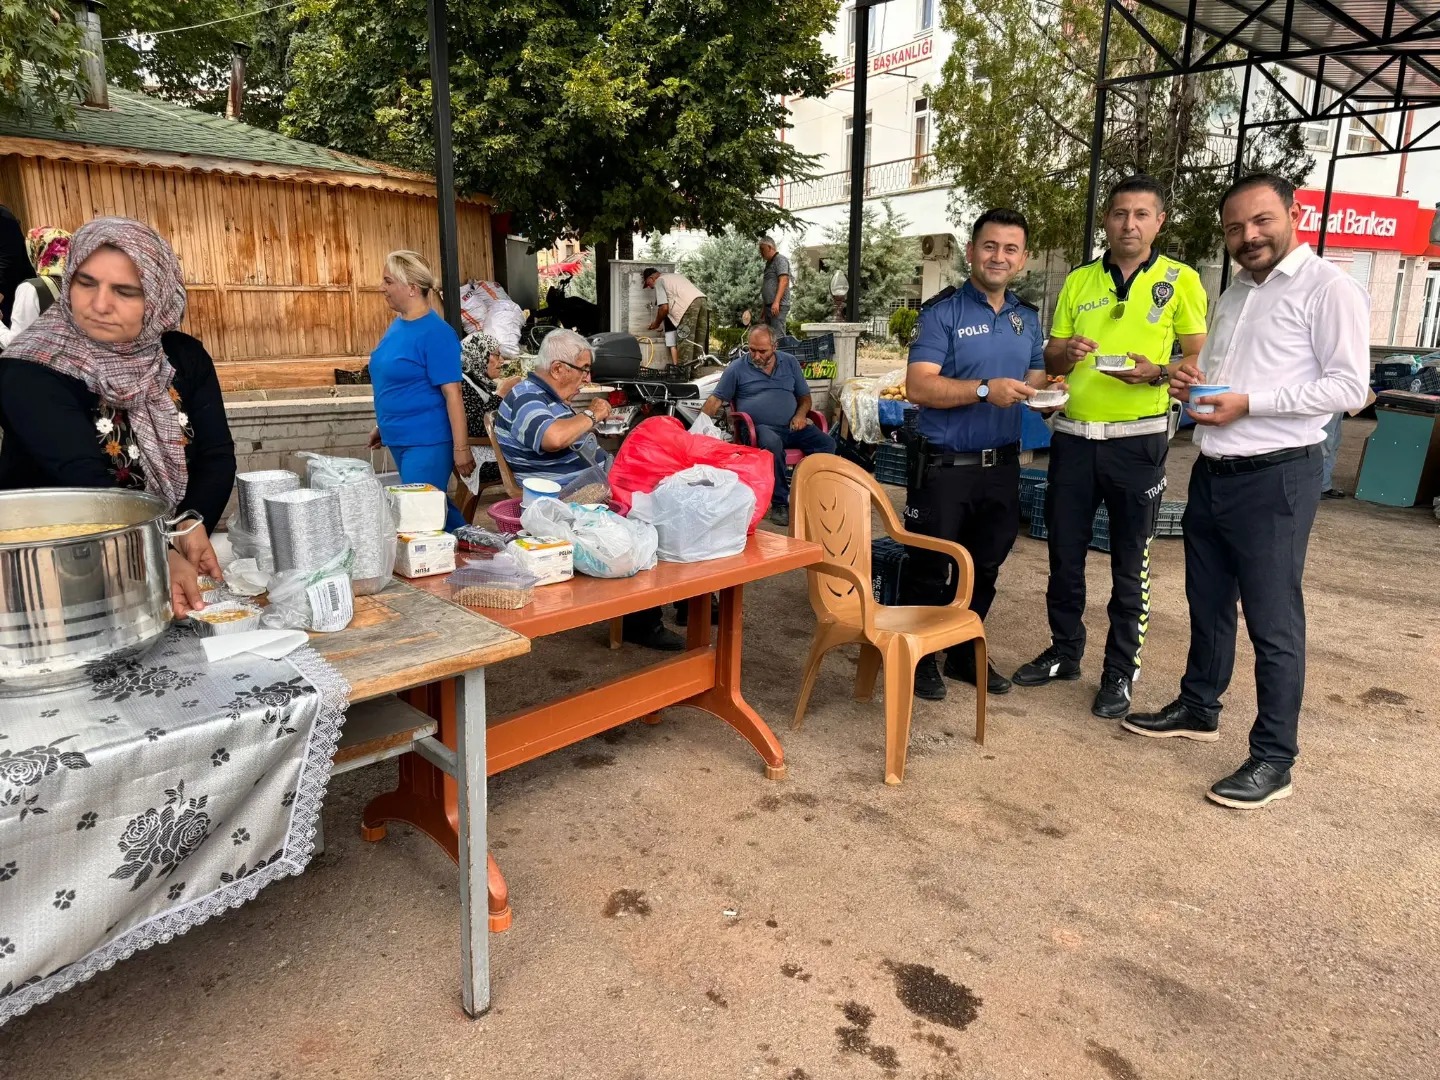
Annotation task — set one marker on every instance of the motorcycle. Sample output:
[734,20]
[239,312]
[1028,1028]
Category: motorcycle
[562,310]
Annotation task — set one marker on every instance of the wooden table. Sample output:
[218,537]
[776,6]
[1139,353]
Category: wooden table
[705,676]
[406,641]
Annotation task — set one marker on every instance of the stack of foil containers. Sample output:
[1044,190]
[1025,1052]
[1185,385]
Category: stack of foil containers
[251,533]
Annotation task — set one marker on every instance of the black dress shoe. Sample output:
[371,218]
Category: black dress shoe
[1050,664]
[657,637]
[1173,721]
[928,684]
[780,515]
[1333,493]
[1113,700]
[960,666]
[682,611]
[1251,786]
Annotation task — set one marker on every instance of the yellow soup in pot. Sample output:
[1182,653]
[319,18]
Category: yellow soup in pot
[31,534]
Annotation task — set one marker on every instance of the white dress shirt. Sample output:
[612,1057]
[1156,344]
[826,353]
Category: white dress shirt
[1298,343]
[23,312]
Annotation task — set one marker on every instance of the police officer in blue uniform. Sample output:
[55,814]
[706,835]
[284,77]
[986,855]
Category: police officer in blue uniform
[978,355]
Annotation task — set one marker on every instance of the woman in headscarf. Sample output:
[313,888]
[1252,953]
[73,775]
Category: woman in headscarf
[102,390]
[483,389]
[47,247]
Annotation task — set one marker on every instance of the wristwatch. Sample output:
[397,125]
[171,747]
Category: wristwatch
[591,414]
[983,390]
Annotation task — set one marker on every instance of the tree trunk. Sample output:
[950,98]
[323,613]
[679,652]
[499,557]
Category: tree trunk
[604,253]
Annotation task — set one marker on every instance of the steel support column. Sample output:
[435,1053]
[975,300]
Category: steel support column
[857,156]
[1097,135]
[439,49]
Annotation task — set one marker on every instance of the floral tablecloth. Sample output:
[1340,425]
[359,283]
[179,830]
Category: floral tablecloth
[165,791]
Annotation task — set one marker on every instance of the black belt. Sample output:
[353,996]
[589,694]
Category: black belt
[1001,455]
[1231,466]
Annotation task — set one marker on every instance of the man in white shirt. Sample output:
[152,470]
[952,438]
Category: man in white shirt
[677,301]
[1289,345]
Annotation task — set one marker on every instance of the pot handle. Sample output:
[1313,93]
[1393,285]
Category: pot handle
[173,533]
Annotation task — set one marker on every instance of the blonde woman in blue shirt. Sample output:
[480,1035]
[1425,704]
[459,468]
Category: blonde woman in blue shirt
[415,370]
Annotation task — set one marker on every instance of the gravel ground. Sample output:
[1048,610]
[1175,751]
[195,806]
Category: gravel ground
[1058,903]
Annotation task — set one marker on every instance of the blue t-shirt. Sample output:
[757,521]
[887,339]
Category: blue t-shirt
[413,360]
[520,425]
[969,339]
[771,399]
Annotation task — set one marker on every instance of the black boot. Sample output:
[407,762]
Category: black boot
[928,684]
[960,666]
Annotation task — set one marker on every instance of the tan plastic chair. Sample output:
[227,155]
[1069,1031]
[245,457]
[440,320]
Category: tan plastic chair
[507,478]
[831,502]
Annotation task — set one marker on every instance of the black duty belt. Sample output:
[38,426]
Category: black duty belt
[1001,455]
[1232,466]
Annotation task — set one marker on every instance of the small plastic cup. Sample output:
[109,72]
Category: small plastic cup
[1197,392]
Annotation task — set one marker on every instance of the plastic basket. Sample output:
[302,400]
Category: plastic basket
[1035,511]
[891,464]
[1171,521]
[1099,528]
[506,514]
[1100,531]
[809,350]
[1030,479]
[887,565]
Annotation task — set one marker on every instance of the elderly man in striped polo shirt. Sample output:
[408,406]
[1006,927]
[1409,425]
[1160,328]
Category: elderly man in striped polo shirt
[541,435]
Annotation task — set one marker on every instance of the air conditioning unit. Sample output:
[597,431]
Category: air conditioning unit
[938,247]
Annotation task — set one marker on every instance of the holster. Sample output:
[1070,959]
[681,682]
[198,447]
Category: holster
[917,461]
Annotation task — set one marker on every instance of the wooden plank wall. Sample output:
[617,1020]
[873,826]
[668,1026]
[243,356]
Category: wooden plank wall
[283,277]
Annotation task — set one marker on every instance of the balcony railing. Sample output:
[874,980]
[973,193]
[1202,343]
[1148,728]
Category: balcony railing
[886,178]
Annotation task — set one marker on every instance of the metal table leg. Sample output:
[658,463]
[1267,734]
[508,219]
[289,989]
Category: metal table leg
[474,906]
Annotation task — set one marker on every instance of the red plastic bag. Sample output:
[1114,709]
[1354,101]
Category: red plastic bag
[661,447]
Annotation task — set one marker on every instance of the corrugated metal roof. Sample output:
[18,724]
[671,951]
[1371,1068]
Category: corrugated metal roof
[1378,50]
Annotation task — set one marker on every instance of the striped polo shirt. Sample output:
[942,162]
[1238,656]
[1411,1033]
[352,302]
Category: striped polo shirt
[520,425]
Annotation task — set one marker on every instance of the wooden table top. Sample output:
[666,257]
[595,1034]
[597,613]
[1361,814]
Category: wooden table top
[584,600]
[405,637]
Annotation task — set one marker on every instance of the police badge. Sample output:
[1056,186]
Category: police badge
[1161,293]
[1017,323]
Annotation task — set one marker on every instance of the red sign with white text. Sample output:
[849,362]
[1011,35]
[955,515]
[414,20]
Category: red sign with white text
[1367,222]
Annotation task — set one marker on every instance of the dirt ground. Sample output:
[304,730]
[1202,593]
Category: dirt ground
[1060,902]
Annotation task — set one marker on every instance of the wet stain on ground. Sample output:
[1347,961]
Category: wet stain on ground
[855,1037]
[565,674]
[1337,699]
[772,803]
[797,1074]
[932,996]
[717,998]
[771,923]
[1052,830]
[935,1039]
[1111,1061]
[1379,695]
[593,761]
[626,902]
[1183,1000]
[613,736]
[792,970]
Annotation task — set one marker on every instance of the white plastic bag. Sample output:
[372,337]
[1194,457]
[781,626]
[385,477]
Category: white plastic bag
[316,600]
[699,513]
[606,544]
[860,400]
[703,425]
[485,305]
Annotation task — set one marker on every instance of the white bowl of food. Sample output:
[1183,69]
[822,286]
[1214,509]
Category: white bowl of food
[1048,399]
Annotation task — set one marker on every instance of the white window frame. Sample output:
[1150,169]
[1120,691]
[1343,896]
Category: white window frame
[925,19]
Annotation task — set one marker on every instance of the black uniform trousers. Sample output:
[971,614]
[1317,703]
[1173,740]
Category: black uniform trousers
[1128,476]
[1246,536]
[976,506]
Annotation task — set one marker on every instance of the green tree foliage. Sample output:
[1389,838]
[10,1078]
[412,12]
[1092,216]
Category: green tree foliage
[598,119]
[902,324]
[47,39]
[727,268]
[888,259]
[1015,109]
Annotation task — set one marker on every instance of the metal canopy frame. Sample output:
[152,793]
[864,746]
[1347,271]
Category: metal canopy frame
[1369,58]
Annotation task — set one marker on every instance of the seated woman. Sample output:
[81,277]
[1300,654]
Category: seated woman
[415,370]
[102,390]
[480,362]
[47,247]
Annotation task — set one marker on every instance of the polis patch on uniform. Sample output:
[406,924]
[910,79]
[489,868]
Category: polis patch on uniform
[1017,323]
[972,331]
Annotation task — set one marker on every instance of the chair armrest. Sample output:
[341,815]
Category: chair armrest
[818,419]
[741,422]
[944,547]
[848,575]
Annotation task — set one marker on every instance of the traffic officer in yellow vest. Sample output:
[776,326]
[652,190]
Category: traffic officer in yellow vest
[1115,327]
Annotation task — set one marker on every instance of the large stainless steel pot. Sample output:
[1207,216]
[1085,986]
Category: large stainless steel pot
[69,605]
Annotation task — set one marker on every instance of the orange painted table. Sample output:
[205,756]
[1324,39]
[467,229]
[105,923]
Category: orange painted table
[706,676]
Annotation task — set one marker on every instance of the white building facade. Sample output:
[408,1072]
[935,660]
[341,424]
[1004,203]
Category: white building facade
[1382,212]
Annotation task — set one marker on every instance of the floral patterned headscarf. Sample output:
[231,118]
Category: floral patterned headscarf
[48,247]
[475,352]
[131,375]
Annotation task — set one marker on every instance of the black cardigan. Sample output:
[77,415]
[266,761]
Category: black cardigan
[51,439]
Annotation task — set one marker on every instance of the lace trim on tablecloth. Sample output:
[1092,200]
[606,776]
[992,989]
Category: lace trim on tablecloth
[334,693]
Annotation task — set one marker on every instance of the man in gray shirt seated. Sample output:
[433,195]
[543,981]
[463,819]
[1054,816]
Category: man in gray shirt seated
[770,387]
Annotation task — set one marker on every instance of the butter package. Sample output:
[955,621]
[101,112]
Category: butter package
[422,554]
[417,508]
[547,559]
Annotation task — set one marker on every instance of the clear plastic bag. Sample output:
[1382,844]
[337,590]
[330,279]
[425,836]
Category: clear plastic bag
[699,513]
[860,400]
[365,512]
[606,544]
[588,486]
[316,600]
[704,425]
[250,545]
